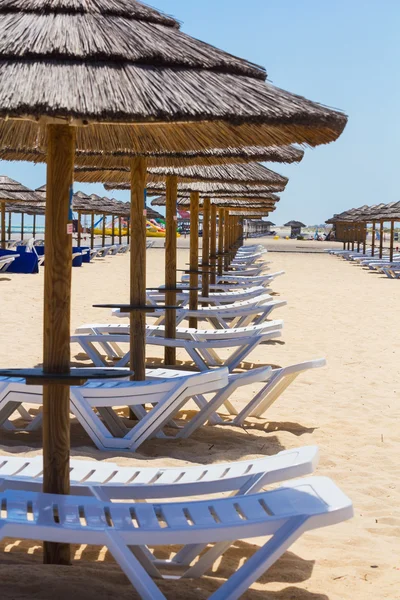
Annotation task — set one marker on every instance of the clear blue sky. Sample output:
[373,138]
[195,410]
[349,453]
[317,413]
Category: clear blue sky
[343,53]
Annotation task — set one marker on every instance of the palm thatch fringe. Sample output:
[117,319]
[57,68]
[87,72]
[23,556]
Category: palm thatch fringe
[294,224]
[141,138]
[242,202]
[214,156]
[252,173]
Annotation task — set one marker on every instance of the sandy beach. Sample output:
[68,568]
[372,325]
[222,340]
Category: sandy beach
[350,409]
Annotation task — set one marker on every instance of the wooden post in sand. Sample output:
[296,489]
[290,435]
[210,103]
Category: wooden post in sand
[9,225]
[194,255]
[119,229]
[206,248]
[391,241]
[170,265]
[213,243]
[138,269]
[3,225]
[92,231]
[79,227]
[220,241]
[381,234]
[373,238]
[22,225]
[103,231]
[226,239]
[56,325]
[353,234]
[364,237]
[34,226]
[112,230]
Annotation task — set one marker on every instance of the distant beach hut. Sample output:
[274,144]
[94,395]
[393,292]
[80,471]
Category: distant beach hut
[295,228]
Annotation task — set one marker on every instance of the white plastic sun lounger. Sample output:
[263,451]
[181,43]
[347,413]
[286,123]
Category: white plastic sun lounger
[203,353]
[108,481]
[391,271]
[248,312]
[126,528]
[6,260]
[96,399]
[234,279]
[216,298]
[274,383]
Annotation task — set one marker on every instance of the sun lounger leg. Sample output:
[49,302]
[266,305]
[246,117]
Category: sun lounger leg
[261,561]
[266,396]
[132,568]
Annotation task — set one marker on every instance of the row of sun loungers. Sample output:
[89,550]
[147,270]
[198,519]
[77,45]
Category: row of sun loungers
[133,510]
[384,265]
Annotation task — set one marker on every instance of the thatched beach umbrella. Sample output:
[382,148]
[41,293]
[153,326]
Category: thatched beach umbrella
[127,79]
[13,191]
[295,227]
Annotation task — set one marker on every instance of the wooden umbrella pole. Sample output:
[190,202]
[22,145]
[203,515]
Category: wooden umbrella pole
[79,227]
[353,234]
[364,234]
[56,324]
[213,243]
[3,225]
[138,268]
[112,230]
[373,238]
[381,240]
[92,231]
[34,227]
[358,236]
[205,255]
[120,229]
[391,241]
[9,225]
[22,225]
[103,231]
[170,265]
[226,240]
[128,230]
[194,255]
[221,214]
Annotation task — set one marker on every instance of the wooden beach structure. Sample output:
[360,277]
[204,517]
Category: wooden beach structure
[295,228]
[13,192]
[351,227]
[139,101]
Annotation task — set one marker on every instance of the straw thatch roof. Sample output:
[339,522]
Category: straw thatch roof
[26,208]
[13,191]
[240,203]
[94,203]
[113,66]
[204,189]
[251,173]
[214,156]
[294,224]
[363,213]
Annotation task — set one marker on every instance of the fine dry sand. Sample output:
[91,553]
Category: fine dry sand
[350,409]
